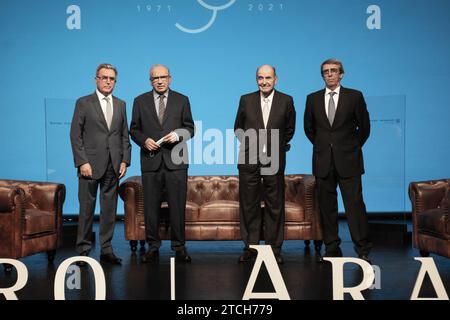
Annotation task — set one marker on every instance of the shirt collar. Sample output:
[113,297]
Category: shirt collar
[337,90]
[270,97]
[156,94]
[101,96]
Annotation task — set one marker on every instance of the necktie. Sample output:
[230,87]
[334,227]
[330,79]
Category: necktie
[161,109]
[266,111]
[109,112]
[331,108]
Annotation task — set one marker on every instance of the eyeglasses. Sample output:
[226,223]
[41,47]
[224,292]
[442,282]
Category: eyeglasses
[162,78]
[331,71]
[105,78]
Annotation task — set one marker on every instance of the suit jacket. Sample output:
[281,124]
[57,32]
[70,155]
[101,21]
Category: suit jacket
[341,143]
[281,117]
[91,140]
[145,124]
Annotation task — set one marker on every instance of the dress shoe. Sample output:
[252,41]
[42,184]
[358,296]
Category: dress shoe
[330,254]
[110,258]
[279,259]
[151,256]
[364,257]
[247,256]
[182,256]
[82,263]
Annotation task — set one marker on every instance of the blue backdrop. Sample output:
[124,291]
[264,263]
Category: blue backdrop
[395,51]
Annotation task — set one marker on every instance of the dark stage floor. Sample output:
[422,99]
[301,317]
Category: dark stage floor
[215,274]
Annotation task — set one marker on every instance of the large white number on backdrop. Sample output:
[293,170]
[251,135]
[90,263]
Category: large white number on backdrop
[214,10]
[374,20]
[74,20]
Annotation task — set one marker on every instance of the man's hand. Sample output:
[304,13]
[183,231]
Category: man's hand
[171,137]
[86,170]
[151,145]
[122,170]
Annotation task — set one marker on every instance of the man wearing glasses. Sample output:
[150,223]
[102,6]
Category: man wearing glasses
[102,151]
[160,125]
[336,121]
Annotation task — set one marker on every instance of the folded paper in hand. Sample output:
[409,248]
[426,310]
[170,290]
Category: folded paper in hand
[160,141]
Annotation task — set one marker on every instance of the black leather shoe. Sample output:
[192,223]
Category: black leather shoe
[182,256]
[82,263]
[330,254]
[151,256]
[364,257]
[247,256]
[110,258]
[279,259]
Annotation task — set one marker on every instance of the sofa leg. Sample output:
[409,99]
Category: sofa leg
[142,244]
[133,245]
[318,245]
[51,255]
[424,253]
[7,267]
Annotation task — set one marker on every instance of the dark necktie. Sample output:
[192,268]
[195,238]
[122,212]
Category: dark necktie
[161,109]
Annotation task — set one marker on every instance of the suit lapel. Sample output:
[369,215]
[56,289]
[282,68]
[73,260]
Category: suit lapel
[341,105]
[321,105]
[98,109]
[273,109]
[258,110]
[170,104]
[116,112]
[151,104]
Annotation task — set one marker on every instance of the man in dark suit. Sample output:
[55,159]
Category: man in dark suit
[265,123]
[102,151]
[336,121]
[161,124]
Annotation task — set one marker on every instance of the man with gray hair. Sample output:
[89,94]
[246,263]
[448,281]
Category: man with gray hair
[102,151]
[337,123]
[270,115]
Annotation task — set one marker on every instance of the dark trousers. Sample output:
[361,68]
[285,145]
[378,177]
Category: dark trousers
[87,195]
[355,210]
[251,185]
[174,182]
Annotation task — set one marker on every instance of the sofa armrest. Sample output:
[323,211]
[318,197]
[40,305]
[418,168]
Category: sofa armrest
[8,198]
[308,193]
[131,192]
[309,196]
[425,195]
[47,196]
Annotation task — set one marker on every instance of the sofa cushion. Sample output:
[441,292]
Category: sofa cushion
[434,222]
[219,210]
[294,212]
[37,221]
[191,211]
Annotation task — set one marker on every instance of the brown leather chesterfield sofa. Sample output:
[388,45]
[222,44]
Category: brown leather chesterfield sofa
[30,218]
[430,216]
[212,210]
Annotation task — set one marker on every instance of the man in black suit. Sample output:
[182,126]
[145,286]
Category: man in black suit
[102,151]
[265,123]
[336,121]
[161,124]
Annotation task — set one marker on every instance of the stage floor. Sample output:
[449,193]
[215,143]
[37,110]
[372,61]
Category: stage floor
[215,274]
